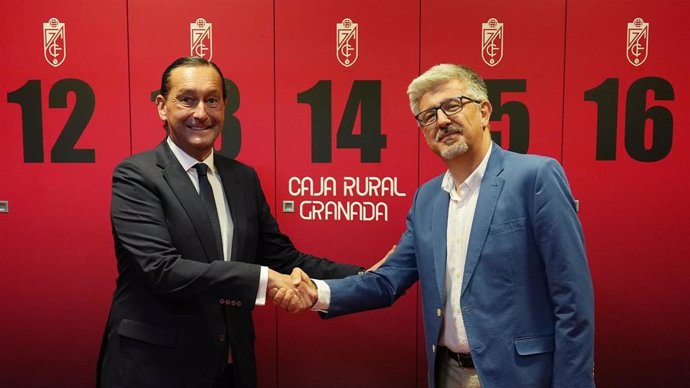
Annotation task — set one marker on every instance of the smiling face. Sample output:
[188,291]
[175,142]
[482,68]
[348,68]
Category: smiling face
[194,109]
[463,133]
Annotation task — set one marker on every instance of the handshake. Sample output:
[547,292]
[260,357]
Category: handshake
[297,292]
[294,293]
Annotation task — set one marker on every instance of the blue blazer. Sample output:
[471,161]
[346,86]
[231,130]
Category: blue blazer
[527,298]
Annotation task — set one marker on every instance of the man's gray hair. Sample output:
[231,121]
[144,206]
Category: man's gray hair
[441,74]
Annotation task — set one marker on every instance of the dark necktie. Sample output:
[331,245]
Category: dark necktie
[206,193]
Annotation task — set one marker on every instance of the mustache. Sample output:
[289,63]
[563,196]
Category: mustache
[449,130]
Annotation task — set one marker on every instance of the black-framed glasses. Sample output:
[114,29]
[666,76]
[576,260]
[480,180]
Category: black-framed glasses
[451,106]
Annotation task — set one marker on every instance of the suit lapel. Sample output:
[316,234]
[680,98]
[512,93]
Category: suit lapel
[234,194]
[489,193]
[184,190]
[439,229]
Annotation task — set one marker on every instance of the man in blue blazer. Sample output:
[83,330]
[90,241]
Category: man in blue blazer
[498,249]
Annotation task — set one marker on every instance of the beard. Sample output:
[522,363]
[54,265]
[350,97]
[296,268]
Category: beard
[453,147]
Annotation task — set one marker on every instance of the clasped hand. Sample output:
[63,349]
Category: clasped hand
[297,292]
[294,292]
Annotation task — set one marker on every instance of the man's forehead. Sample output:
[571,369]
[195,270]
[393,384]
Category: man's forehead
[193,77]
[452,88]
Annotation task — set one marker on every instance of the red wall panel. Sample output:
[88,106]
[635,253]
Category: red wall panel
[518,49]
[65,111]
[625,150]
[525,78]
[160,32]
[321,105]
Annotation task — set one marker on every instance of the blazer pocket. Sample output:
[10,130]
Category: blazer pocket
[147,333]
[507,226]
[534,345]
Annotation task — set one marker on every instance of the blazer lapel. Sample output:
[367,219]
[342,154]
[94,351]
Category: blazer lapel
[236,202]
[184,190]
[489,193]
[439,228]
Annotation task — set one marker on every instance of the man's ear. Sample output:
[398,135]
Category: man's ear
[485,108]
[160,104]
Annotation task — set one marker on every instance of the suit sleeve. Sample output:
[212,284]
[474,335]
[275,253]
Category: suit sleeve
[145,249]
[380,288]
[276,251]
[561,244]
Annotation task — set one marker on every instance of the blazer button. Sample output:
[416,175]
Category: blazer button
[228,302]
[221,301]
[438,312]
[239,303]
[233,303]
[221,338]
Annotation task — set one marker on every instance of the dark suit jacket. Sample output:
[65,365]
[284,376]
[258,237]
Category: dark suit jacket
[176,306]
[527,299]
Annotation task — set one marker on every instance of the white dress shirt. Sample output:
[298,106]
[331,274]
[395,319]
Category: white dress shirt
[461,208]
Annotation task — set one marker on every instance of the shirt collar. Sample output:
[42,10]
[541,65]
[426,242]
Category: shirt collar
[473,181]
[186,160]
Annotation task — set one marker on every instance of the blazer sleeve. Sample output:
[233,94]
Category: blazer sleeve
[144,247]
[561,243]
[277,251]
[380,288]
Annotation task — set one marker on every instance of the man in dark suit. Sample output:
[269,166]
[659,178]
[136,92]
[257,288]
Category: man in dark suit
[197,248]
[498,249]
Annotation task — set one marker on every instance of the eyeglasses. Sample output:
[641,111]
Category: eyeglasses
[450,107]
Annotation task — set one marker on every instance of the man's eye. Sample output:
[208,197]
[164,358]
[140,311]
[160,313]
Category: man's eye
[427,116]
[185,100]
[212,101]
[452,105]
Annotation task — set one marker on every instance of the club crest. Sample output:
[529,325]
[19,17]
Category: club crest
[347,34]
[201,39]
[638,40]
[54,42]
[492,42]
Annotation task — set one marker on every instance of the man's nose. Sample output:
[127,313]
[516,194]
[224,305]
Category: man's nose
[200,112]
[442,120]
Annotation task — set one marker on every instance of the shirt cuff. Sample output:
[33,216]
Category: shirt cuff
[324,292]
[263,284]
